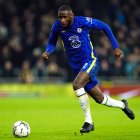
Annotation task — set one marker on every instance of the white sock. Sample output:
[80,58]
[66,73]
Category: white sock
[108,101]
[84,102]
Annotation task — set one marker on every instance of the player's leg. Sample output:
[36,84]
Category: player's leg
[79,83]
[100,98]
[78,86]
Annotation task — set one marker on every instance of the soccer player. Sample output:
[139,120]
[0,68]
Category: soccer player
[74,32]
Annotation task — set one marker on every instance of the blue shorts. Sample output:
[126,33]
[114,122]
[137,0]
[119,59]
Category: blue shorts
[92,68]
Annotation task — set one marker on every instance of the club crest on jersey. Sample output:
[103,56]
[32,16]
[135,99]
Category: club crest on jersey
[79,30]
[74,41]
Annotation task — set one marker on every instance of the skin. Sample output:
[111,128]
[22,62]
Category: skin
[66,18]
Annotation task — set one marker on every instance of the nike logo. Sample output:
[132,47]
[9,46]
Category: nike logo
[63,31]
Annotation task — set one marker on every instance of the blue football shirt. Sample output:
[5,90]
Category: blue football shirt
[76,39]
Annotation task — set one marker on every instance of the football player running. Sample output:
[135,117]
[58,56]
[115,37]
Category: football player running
[74,32]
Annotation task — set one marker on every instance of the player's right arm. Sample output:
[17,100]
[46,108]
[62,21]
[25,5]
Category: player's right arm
[50,46]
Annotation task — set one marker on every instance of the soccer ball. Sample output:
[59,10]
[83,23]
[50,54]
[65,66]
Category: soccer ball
[21,129]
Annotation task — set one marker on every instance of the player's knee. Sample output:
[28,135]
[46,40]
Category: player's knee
[76,85]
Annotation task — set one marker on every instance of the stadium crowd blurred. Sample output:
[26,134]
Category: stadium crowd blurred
[25,26]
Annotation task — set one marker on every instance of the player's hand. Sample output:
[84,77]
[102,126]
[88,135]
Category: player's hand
[118,53]
[45,55]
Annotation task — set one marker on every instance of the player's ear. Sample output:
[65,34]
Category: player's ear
[72,15]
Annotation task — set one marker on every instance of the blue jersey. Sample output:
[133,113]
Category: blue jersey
[76,39]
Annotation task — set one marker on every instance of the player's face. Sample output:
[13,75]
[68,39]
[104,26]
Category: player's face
[66,18]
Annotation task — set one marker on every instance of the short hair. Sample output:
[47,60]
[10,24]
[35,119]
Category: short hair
[65,8]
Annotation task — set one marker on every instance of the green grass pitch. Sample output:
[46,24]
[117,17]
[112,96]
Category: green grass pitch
[60,118]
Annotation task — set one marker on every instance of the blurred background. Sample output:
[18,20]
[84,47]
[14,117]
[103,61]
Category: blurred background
[25,27]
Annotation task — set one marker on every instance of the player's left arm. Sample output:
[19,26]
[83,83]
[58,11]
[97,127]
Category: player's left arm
[103,26]
[99,25]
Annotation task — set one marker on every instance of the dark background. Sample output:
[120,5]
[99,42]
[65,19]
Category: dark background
[25,26]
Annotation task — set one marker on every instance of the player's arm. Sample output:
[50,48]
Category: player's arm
[103,26]
[99,25]
[50,46]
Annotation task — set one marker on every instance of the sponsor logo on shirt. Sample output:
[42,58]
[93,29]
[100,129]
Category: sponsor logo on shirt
[75,42]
